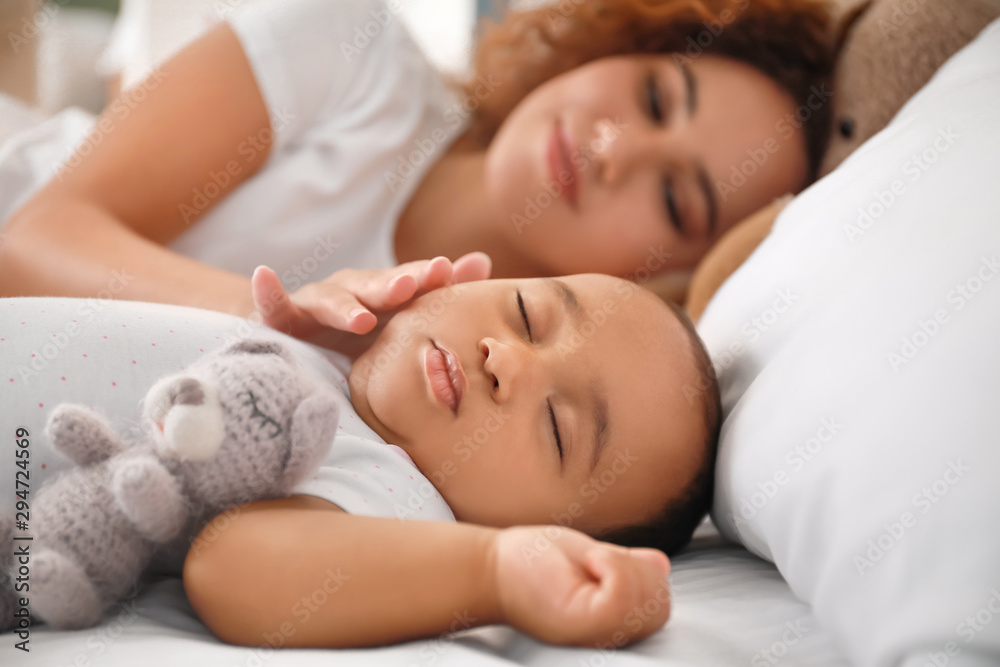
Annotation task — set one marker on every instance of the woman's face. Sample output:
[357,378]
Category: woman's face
[641,161]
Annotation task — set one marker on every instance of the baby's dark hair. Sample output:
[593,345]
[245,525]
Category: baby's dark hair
[671,529]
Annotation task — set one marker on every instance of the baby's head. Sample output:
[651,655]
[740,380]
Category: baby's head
[584,400]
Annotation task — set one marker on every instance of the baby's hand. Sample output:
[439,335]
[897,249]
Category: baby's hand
[564,587]
[345,311]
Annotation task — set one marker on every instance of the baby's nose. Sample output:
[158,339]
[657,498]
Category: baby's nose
[484,351]
[504,367]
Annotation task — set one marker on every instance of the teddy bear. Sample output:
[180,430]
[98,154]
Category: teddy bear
[241,424]
[888,50]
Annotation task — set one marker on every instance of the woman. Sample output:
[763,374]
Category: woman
[615,136]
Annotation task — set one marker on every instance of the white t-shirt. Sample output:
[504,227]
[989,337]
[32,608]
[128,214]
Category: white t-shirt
[107,354]
[358,114]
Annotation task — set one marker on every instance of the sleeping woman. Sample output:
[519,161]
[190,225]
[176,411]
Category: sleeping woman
[597,138]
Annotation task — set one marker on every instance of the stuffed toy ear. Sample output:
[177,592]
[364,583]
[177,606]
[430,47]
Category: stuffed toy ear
[258,346]
[888,51]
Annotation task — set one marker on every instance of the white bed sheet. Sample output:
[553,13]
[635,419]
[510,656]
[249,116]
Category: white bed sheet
[730,609]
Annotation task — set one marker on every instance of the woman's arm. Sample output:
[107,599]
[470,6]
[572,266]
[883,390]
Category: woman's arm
[728,254]
[135,190]
[299,572]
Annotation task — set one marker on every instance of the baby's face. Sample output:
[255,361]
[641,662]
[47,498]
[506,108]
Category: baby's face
[475,381]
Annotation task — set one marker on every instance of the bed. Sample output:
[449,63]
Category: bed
[730,607]
[872,310]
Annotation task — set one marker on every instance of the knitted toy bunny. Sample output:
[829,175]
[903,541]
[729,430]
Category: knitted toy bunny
[241,424]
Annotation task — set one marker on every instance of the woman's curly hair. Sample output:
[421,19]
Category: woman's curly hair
[791,41]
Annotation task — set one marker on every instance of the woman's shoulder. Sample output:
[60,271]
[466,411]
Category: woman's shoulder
[313,59]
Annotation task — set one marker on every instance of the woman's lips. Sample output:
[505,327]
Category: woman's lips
[561,168]
[445,375]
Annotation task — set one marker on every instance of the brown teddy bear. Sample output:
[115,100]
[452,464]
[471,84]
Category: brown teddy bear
[888,50]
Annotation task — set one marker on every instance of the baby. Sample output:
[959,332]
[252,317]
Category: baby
[527,401]
[583,401]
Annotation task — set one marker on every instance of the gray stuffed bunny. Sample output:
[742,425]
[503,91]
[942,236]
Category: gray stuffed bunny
[241,424]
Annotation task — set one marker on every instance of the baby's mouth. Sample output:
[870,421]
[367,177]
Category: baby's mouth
[445,375]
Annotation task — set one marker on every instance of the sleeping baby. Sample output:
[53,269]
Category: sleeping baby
[528,401]
[540,414]
[523,421]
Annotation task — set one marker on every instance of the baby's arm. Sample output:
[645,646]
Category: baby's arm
[303,571]
[300,572]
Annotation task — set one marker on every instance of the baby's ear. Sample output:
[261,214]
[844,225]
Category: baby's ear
[258,346]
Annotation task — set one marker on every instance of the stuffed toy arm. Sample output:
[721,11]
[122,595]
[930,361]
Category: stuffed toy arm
[82,436]
[243,423]
[313,424]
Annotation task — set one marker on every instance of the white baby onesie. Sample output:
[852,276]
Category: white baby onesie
[107,354]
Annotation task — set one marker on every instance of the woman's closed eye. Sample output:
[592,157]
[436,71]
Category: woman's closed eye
[658,105]
[552,414]
[670,205]
[656,101]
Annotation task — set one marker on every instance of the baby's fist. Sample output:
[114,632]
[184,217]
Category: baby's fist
[565,587]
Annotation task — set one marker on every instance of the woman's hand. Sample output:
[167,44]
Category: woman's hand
[346,311]
[564,587]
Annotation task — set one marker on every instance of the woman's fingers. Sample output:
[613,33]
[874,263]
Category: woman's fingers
[399,289]
[391,288]
[430,275]
[435,274]
[315,305]
[385,290]
[423,276]
[271,300]
[470,267]
[349,300]
[336,307]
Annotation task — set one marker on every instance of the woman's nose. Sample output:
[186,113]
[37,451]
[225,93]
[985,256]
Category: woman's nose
[622,149]
[506,366]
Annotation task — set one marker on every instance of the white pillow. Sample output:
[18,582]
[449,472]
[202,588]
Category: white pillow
[859,357]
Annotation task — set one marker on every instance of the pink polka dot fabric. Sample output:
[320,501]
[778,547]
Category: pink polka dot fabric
[107,354]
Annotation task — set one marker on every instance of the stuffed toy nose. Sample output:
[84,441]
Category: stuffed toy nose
[186,416]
